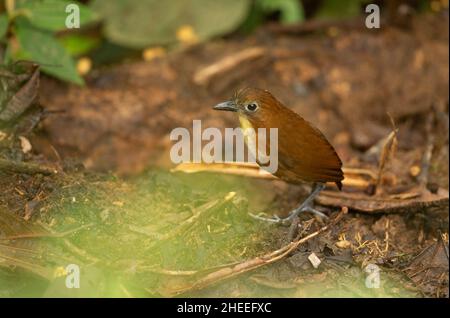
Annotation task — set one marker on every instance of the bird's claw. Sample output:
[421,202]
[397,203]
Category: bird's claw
[314,211]
[275,219]
[295,213]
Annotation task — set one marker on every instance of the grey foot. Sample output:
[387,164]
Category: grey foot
[277,220]
[308,209]
[306,206]
[274,219]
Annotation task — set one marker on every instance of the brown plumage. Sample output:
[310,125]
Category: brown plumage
[304,154]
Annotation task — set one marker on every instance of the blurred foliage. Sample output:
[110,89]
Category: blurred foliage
[47,14]
[28,28]
[36,30]
[79,44]
[41,47]
[340,8]
[3,25]
[141,23]
[290,11]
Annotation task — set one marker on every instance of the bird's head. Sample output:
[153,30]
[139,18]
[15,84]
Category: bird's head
[254,104]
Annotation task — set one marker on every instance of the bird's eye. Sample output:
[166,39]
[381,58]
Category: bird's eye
[251,107]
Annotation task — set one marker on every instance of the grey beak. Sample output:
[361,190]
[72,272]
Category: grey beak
[228,105]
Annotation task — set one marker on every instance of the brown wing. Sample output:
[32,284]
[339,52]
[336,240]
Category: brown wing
[305,153]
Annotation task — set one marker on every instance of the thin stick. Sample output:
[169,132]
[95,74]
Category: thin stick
[387,152]
[253,171]
[50,234]
[426,159]
[226,64]
[25,167]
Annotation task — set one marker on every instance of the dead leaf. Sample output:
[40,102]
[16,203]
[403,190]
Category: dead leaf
[25,144]
[23,98]
[343,244]
[430,269]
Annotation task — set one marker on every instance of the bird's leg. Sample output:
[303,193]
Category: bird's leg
[305,206]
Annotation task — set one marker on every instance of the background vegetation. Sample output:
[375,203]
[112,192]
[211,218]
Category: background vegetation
[111,29]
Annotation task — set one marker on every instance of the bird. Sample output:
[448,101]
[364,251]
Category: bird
[304,153]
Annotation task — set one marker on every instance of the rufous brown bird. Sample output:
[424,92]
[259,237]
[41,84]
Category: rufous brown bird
[304,154]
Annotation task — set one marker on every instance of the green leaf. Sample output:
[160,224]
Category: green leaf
[76,44]
[291,10]
[41,47]
[339,9]
[142,23]
[3,25]
[7,56]
[213,18]
[51,15]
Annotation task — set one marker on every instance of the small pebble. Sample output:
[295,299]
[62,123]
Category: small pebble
[315,261]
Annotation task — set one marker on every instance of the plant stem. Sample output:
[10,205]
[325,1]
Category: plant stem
[10,6]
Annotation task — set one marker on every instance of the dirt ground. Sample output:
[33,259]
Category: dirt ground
[347,80]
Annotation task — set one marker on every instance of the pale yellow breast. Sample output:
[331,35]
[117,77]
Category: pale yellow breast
[245,123]
[250,138]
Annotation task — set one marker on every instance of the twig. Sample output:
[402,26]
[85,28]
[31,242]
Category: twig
[388,150]
[170,272]
[234,168]
[163,271]
[360,171]
[269,258]
[354,177]
[226,64]
[68,232]
[80,252]
[25,167]
[426,159]
[385,204]
[49,234]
